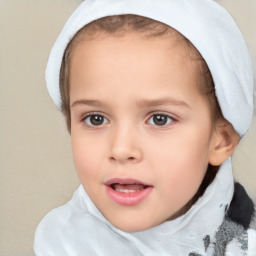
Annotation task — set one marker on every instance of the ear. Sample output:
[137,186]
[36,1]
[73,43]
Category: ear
[224,142]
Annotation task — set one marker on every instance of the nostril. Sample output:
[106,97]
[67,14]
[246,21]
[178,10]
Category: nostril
[123,154]
[129,158]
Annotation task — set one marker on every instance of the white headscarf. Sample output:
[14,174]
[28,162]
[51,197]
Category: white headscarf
[204,23]
[78,228]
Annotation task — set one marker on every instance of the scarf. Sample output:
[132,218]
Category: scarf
[78,228]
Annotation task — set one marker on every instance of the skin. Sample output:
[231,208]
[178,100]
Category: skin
[126,81]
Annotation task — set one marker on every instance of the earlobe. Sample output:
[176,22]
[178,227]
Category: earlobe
[225,140]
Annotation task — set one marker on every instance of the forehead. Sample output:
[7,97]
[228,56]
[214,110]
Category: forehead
[168,45]
[145,29]
[167,37]
[109,63]
[128,50]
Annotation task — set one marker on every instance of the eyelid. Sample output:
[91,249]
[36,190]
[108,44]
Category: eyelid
[150,115]
[163,114]
[93,113]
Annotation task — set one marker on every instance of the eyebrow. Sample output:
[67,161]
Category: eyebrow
[141,103]
[162,101]
[95,103]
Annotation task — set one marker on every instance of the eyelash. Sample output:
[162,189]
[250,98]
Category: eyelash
[89,115]
[169,118]
[161,114]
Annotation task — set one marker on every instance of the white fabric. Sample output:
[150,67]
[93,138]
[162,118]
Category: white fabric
[205,23]
[252,242]
[78,228]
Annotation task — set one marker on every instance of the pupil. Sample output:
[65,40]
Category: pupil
[160,119]
[97,120]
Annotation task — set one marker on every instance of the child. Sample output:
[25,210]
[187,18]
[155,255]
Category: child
[156,96]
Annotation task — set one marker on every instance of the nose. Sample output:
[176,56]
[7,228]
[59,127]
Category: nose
[125,147]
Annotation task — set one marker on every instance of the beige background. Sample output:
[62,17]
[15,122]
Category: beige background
[36,169]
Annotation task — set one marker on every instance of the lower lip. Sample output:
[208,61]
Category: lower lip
[128,199]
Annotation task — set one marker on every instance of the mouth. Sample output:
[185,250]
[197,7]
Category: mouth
[127,191]
[128,188]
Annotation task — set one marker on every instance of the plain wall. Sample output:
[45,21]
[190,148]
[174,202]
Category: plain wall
[36,166]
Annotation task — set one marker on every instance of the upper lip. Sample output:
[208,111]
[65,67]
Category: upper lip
[125,181]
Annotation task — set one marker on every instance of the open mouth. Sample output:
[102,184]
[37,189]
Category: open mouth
[128,188]
[127,192]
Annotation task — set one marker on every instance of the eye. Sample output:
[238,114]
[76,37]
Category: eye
[160,120]
[95,120]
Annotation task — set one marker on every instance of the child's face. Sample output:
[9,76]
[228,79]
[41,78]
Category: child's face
[137,116]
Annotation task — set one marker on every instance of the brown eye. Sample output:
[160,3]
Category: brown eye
[160,119]
[95,120]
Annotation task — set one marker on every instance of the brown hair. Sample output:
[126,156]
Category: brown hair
[117,26]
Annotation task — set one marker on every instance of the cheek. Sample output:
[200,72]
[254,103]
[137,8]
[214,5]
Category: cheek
[183,160]
[184,148]
[87,155]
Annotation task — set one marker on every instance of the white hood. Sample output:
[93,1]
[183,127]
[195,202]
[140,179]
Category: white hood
[78,228]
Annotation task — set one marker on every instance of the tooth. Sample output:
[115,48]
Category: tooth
[126,190]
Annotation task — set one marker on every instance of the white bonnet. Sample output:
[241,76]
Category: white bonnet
[206,24]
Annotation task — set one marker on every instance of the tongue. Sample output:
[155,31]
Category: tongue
[128,186]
